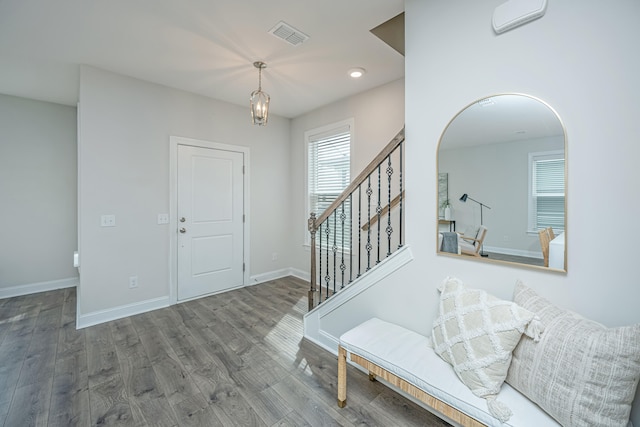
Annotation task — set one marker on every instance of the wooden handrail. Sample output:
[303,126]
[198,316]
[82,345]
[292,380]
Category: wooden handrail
[386,151]
[386,209]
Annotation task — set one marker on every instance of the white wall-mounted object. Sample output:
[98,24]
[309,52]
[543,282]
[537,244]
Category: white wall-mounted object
[133,282]
[514,13]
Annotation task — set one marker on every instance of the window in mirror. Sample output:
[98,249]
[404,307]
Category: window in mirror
[546,190]
[509,152]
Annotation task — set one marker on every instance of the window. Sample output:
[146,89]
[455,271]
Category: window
[546,190]
[328,174]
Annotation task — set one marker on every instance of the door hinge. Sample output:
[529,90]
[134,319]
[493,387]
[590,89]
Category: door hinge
[243,218]
[243,267]
[242,169]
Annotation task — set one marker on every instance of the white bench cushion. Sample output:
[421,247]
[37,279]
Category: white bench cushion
[410,356]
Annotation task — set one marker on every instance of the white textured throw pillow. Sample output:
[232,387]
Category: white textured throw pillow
[581,372]
[476,332]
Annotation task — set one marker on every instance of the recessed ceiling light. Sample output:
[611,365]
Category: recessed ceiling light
[356,73]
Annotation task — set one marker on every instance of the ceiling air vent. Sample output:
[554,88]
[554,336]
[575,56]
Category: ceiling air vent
[286,32]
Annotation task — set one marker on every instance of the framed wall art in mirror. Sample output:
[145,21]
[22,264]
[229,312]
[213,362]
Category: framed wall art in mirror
[443,194]
[505,160]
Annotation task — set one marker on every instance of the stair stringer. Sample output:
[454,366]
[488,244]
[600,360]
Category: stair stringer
[316,320]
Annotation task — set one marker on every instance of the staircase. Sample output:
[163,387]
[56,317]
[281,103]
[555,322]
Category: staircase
[361,228]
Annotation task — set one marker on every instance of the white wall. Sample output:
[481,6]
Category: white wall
[581,58]
[378,116]
[125,125]
[38,193]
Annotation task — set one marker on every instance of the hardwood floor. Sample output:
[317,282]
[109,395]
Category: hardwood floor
[233,359]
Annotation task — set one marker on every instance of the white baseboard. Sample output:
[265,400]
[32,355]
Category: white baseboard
[32,288]
[302,275]
[277,274]
[90,319]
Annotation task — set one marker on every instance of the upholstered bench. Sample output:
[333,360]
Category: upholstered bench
[407,360]
[491,362]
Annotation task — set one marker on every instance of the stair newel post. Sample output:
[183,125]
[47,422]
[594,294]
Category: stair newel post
[311,224]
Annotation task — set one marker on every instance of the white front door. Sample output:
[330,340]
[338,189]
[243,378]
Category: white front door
[210,221]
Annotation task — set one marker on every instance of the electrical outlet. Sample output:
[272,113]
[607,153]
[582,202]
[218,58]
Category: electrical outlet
[133,282]
[274,256]
[163,218]
[108,221]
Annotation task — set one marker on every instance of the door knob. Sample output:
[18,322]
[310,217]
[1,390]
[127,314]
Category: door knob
[183,230]
[182,219]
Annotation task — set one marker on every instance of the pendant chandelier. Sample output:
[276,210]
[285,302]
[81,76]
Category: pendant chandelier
[259,100]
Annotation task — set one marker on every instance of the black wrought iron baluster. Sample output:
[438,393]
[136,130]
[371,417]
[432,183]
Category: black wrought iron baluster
[343,267]
[351,237]
[389,229]
[369,247]
[320,266]
[335,248]
[327,277]
[400,238]
[359,229]
[379,211]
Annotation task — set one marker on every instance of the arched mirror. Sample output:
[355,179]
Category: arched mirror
[502,183]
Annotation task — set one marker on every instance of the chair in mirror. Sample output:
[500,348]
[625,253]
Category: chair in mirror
[502,180]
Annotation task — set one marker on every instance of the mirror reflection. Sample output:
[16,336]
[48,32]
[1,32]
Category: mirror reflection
[501,183]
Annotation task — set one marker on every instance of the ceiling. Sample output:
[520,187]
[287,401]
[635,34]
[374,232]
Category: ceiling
[499,119]
[205,47]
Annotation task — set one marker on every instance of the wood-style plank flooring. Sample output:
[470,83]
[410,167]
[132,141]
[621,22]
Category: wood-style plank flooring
[233,359]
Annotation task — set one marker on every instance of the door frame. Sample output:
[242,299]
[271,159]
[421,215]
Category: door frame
[174,142]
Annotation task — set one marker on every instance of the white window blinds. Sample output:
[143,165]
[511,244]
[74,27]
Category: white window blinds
[547,191]
[329,173]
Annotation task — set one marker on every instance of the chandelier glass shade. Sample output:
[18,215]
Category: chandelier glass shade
[259,100]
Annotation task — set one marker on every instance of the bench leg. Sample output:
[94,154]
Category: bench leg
[372,376]
[342,377]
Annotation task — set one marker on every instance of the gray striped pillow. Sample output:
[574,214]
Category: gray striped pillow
[580,372]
